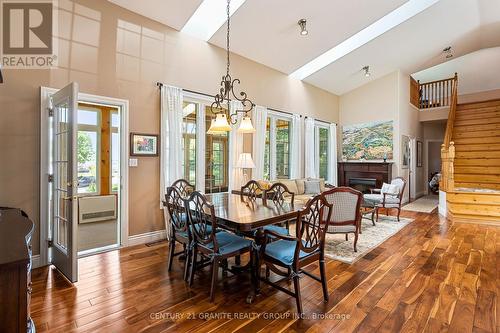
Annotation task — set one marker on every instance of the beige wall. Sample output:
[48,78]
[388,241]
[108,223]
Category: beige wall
[113,52]
[386,98]
[479,96]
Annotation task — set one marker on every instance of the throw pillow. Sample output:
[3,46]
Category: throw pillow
[300,185]
[312,187]
[290,184]
[389,189]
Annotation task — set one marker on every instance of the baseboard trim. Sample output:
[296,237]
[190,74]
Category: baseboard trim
[147,237]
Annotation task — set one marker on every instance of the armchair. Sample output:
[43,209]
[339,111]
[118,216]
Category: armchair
[384,198]
[346,213]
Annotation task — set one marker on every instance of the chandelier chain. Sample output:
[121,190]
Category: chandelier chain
[227,35]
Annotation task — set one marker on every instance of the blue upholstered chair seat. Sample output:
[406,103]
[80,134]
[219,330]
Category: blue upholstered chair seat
[184,233]
[229,242]
[275,228]
[283,250]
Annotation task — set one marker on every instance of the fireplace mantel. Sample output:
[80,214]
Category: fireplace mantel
[381,171]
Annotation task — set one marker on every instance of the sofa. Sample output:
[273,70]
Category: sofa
[296,186]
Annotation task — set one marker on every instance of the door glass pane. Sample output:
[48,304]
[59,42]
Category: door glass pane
[189,141]
[282,149]
[216,158]
[87,161]
[61,192]
[323,152]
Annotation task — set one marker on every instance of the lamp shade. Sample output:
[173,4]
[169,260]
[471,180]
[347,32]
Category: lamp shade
[245,161]
[211,129]
[246,126]
[220,124]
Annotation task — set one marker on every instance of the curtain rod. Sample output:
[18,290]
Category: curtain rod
[323,121]
[280,111]
[159,85]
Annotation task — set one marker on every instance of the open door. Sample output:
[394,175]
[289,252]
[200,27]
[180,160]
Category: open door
[63,251]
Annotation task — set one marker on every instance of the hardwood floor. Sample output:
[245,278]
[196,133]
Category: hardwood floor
[431,276]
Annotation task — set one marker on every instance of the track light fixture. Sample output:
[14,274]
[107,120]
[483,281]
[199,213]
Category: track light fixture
[303,29]
[367,70]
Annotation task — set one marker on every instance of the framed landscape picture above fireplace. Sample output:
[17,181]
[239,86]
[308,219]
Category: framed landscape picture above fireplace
[369,141]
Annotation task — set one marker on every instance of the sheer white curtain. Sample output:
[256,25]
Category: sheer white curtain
[259,118]
[235,149]
[171,137]
[295,147]
[332,155]
[310,148]
[200,149]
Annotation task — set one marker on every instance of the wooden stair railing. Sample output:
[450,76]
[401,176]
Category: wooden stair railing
[447,183]
[432,94]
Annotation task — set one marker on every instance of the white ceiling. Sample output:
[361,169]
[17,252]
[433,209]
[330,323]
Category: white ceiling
[174,13]
[267,32]
[479,71]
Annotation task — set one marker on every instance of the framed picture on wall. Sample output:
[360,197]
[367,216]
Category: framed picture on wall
[419,154]
[143,144]
[405,151]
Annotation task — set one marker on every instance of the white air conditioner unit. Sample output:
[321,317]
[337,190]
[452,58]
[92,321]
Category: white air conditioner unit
[96,208]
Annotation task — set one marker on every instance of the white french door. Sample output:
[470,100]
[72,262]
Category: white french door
[63,217]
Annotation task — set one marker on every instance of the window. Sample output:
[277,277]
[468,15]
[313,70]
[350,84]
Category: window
[277,149]
[216,158]
[282,149]
[190,110]
[205,160]
[323,152]
[87,149]
[267,151]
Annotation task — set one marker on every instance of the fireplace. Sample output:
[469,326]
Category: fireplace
[364,175]
[363,184]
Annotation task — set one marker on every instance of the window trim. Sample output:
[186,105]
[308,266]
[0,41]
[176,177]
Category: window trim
[114,130]
[317,126]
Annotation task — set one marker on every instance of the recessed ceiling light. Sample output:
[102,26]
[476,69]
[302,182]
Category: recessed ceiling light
[209,17]
[379,27]
[303,29]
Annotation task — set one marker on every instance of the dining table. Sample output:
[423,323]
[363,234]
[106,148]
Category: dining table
[249,217]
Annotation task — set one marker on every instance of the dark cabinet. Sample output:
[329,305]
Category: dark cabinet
[16,231]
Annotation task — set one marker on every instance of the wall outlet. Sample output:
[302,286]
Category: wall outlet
[133,162]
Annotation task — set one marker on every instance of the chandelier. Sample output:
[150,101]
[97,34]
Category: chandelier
[222,121]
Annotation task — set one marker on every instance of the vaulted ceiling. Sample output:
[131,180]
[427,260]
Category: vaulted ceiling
[267,32]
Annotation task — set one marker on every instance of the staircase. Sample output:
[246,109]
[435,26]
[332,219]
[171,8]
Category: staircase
[476,134]
[475,196]
[470,155]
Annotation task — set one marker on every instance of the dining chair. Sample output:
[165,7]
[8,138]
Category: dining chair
[294,253]
[179,232]
[217,246]
[184,187]
[251,190]
[278,194]
[346,212]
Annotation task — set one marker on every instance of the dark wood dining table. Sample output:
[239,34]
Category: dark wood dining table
[243,215]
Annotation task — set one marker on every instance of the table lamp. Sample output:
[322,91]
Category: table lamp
[245,162]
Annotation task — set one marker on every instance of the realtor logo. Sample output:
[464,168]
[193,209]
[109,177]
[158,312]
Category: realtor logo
[27,40]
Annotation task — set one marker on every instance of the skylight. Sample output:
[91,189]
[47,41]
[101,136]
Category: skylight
[386,23]
[209,17]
